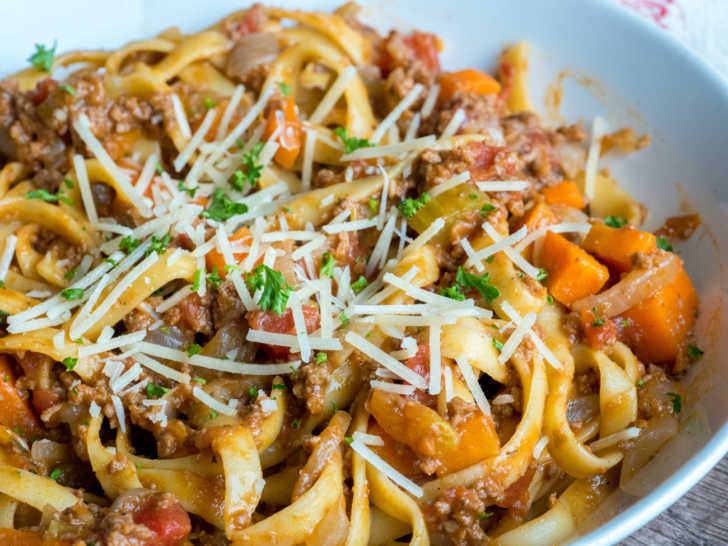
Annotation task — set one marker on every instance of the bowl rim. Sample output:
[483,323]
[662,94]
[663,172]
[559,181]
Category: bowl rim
[698,465]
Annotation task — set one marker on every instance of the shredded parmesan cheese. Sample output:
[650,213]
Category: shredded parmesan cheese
[211,402]
[472,384]
[385,468]
[391,149]
[396,112]
[379,356]
[599,129]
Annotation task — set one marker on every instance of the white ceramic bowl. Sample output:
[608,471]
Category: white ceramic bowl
[637,76]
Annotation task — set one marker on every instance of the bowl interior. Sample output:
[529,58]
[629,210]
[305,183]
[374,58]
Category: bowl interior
[620,68]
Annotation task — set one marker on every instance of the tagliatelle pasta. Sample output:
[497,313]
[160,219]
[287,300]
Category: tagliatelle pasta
[276,283]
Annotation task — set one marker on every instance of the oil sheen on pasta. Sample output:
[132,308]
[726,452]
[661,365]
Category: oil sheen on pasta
[277,283]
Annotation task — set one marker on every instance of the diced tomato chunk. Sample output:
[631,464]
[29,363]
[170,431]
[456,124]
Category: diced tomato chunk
[44,399]
[42,89]
[282,324]
[168,520]
[424,46]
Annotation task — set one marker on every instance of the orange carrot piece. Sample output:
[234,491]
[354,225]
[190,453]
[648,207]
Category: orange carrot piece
[572,273]
[289,135]
[615,247]
[564,193]
[397,454]
[214,258]
[656,327]
[15,412]
[538,216]
[468,80]
[477,439]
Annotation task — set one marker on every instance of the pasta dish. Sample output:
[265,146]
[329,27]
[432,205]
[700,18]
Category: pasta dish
[289,281]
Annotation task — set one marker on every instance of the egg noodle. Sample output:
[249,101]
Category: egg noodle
[277,283]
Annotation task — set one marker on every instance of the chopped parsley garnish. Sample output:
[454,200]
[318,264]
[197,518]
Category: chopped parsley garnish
[159,245]
[209,103]
[334,407]
[68,182]
[189,191]
[253,392]
[360,284]
[49,197]
[453,292]
[550,299]
[640,382]
[128,244]
[497,344]
[279,386]
[327,265]
[598,321]
[348,439]
[664,245]
[158,167]
[285,88]
[276,290]
[468,280]
[410,206]
[296,423]
[321,357]
[68,89]
[56,474]
[193,349]
[253,169]
[676,400]
[213,414]
[343,319]
[231,267]
[113,263]
[42,59]
[695,353]
[68,275]
[214,279]
[542,274]
[71,294]
[486,209]
[200,380]
[625,323]
[70,362]
[484,515]
[351,143]
[472,197]
[373,205]
[221,207]
[615,221]
[155,391]
[196,280]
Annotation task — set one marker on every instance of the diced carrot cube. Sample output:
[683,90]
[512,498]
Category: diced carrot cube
[538,216]
[214,258]
[657,326]
[15,412]
[477,439]
[564,193]
[572,273]
[616,246]
[468,80]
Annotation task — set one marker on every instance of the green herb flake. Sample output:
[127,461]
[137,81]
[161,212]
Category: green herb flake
[68,275]
[348,439]
[695,353]
[197,279]
[49,197]
[69,362]
[484,515]
[550,299]
[343,319]
[296,423]
[472,197]
[321,357]
[614,221]
[598,321]
[351,143]
[155,391]
[664,245]
[189,191]
[409,206]
[454,292]
[221,207]
[159,245]
[214,279]
[676,400]
[253,392]
[128,244]
[68,89]
[68,183]
[164,329]
[327,265]
[253,169]
[468,280]
[193,349]
[213,414]
[640,382]
[279,386]
[200,380]
[275,289]
[71,294]
[56,474]
[360,284]
[209,103]
[497,344]
[42,59]
[373,205]
[542,274]
[285,88]
[486,209]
